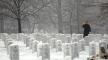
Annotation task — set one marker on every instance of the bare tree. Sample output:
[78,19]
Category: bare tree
[13,10]
[1,24]
[19,9]
[59,13]
[78,15]
[104,15]
[38,6]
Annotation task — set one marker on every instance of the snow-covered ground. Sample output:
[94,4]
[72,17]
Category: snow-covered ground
[3,54]
[27,54]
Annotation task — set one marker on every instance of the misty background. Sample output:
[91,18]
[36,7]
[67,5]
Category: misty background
[53,16]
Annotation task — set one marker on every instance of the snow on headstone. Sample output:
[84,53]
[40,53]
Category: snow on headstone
[39,49]
[53,42]
[92,48]
[20,37]
[106,39]
[80,36]
[27,41]
[34,47]
[87,40]
[5,42]
[74,50]
[59,45]
[68,39]
[3,36]
[14,36]
[67,49]
[48,38]
[24,39]
[14,52]
[97,48]
[103,43]
[9,43]
[81,45]
[46,51]
[31,43]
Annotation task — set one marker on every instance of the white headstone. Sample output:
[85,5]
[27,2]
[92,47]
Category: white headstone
[39,49]
[5,43]
[87,40]
[14,52]
[24,38]
[67,49]
[8,42]
[74,50]
[34,47]
[103,43]
[92,48]
[59,45]
[31,43]
[46,52]
[68,39]
[53,42]
[27,41]
[81,45]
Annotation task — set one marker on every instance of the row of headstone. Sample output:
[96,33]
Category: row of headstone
[43,50]
[43,37]
[56,43]
[69,49]
[98,49]
[12,49]
[7,42]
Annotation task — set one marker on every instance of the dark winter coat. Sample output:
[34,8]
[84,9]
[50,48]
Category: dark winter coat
[87,29]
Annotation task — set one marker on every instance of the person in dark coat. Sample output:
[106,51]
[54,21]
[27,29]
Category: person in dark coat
[87,29]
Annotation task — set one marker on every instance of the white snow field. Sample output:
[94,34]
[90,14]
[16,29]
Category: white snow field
[39,46]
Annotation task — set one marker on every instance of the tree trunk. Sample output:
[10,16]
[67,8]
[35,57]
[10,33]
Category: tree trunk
[19,17]
[78,16]
[59,13]
[1,25]
[71,23]
[19,25]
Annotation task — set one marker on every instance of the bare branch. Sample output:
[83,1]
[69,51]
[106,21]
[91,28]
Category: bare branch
[40,8]
[2,14]
[22,1]
[6,5]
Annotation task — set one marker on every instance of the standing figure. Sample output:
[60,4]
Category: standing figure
[87,29]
